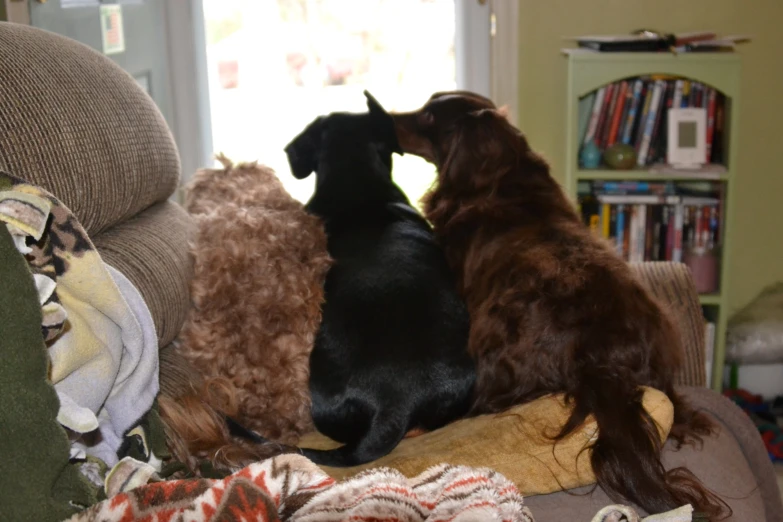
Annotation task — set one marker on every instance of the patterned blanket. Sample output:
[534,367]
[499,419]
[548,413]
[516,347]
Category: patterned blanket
[291,488]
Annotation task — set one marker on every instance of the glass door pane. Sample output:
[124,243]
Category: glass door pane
[275,65]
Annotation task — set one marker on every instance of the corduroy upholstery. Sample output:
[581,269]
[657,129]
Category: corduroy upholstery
[77,125]
[151,250]
[672,285]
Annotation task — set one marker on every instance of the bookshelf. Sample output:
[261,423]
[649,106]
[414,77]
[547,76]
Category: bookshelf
[587,72]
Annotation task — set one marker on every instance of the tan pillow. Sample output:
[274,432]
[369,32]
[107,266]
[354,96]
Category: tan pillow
[511,443]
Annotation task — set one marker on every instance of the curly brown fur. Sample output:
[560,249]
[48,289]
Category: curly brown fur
[553,309]
[244,185]
[259,265]
[194,411]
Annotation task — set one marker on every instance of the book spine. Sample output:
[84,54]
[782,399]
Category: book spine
[710,122]
[632,110]
[642,118]
[602,114]
[617,114]
[629,199]
[718,137]
[657,220]
[633,239]
[705,238]
[679,212]
[713,228]
[627,232]
[698,227]
[594,116]
[605,217]
[612,221]
[677,100]
[610,110]
[620,234]
[648,126]
[642,231]
[670,235]
[657,132]
[686,91]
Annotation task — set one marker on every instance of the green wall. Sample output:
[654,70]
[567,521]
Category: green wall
[757,250]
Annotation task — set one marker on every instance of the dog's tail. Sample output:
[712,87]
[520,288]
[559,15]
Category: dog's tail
[626,456]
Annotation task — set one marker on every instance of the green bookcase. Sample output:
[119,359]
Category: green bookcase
[588,71]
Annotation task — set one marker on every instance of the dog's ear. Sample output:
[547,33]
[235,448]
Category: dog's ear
[382,124]
[303,151]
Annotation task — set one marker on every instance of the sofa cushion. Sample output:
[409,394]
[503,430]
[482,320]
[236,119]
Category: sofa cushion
[151,250]
[510,443]
[77,125]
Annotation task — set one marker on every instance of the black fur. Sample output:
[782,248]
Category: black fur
[391,353]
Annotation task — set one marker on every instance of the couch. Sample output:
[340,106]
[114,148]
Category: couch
[76,125]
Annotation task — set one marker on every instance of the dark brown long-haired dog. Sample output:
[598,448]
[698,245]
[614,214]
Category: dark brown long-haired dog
[552,308]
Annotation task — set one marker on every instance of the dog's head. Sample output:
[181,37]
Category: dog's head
[341,134]
[462,133]
[430,131]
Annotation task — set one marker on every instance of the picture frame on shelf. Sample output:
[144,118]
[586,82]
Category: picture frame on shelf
[686,144]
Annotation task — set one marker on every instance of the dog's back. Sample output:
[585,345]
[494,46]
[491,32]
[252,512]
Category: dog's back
[391,354]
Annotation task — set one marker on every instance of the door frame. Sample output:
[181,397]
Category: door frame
[189,79]
[504,54]
[15,11]
[487,55]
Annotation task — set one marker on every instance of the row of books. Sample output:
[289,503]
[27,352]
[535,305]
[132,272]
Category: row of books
[657,225]
[635,112]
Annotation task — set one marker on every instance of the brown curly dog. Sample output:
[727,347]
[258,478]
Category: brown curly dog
[259,265]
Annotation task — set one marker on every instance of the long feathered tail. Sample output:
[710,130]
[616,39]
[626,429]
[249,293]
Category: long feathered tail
[626,457]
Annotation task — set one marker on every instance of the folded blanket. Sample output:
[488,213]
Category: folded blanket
[290,487]
[100,335]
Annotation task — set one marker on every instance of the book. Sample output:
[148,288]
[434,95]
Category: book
[649,123]
[632,110]
[617,111]
[610,109]
[585,110]
[595,115]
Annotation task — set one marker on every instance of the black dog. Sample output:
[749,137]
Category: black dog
[391,353]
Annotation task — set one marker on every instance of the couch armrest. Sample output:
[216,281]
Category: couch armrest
[671,283]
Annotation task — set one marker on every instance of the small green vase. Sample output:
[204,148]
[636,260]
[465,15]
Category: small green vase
[620,157]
